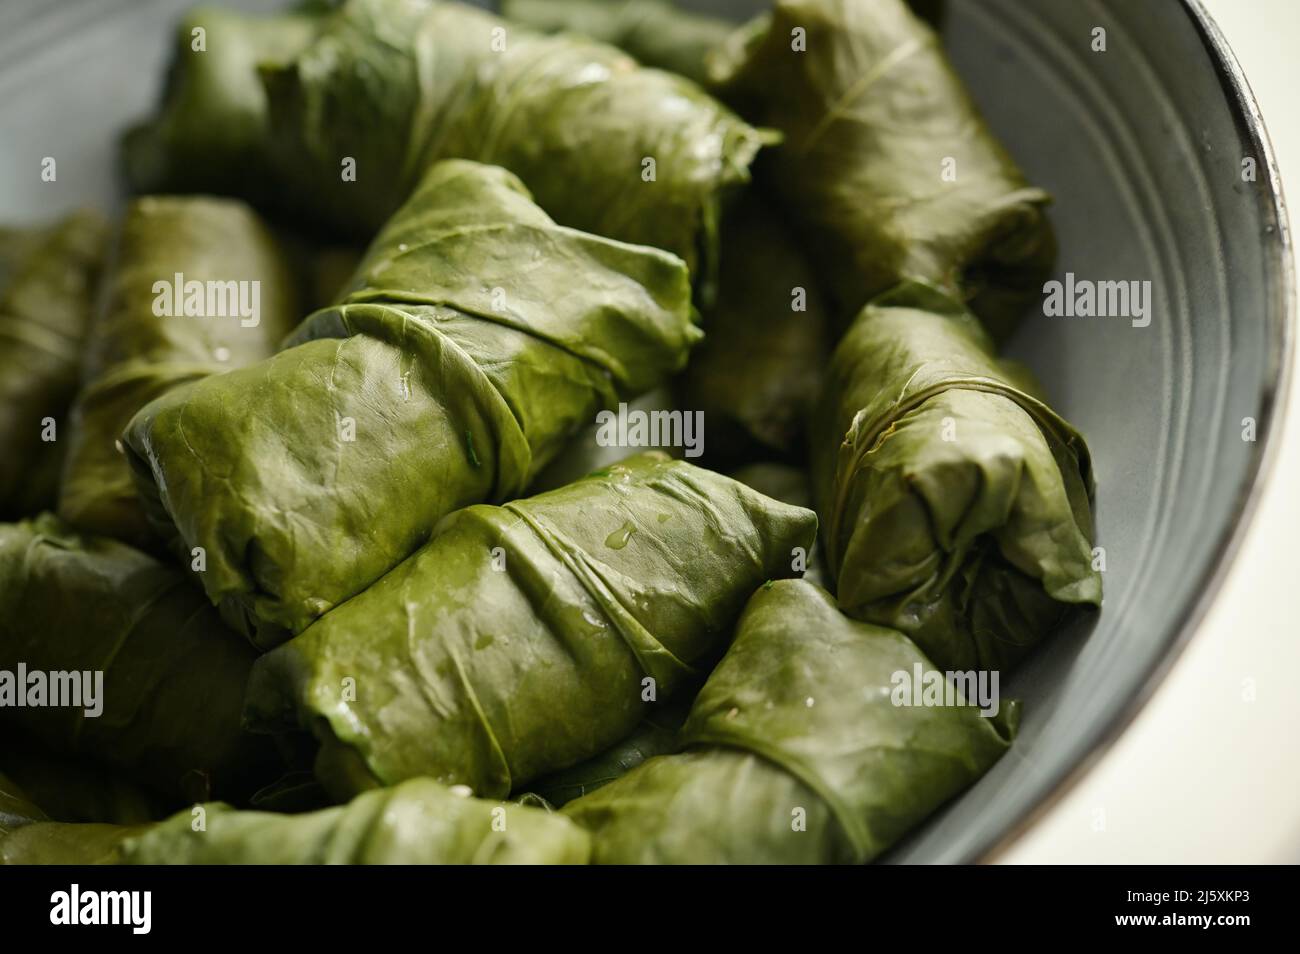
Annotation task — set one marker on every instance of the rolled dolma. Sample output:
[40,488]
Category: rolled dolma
[212,133]
[796,751]
[525,638]
[160,679]
[477,337]
[418,822]
[756,375]
[655,33]
[46,292]
[886,162]
[387,87]
[227,298]
[956,503]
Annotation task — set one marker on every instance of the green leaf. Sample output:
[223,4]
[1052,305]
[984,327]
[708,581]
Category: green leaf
[133,354]
[956,504]
[173,676]
[418,822]
[795,750]
[396,86]
[47,282]
[654,32]
[212,133]
[516,643]
[473,320]
[886,162]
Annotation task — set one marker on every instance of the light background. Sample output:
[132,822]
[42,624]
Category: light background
[1203,775]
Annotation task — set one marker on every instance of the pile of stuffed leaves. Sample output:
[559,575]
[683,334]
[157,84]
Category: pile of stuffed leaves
[796,751]
[477,337]
[475,505]
[525,638]
[132,354]
[385,88]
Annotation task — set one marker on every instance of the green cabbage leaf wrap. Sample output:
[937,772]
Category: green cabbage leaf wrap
[133,354]
[526,638]
[957,505]
[416,823]
[477,337]
[47,285]
[385,88]
[173,676]
[795,751]
[886,162]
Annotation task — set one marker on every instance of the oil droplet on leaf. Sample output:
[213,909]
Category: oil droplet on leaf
[619,538]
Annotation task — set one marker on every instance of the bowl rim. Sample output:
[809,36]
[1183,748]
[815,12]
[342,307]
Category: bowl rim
[1274,391]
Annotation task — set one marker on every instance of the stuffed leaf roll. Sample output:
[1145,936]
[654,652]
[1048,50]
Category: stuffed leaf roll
[418,822]
[387,87]
[477,337]
[796,751]
[525,638]
[654,32]
[956,504]
[213,133]
[886,161]
[172,676]
[46,292]
[133,354]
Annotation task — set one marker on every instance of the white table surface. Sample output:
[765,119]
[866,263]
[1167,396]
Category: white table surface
[1209,771]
